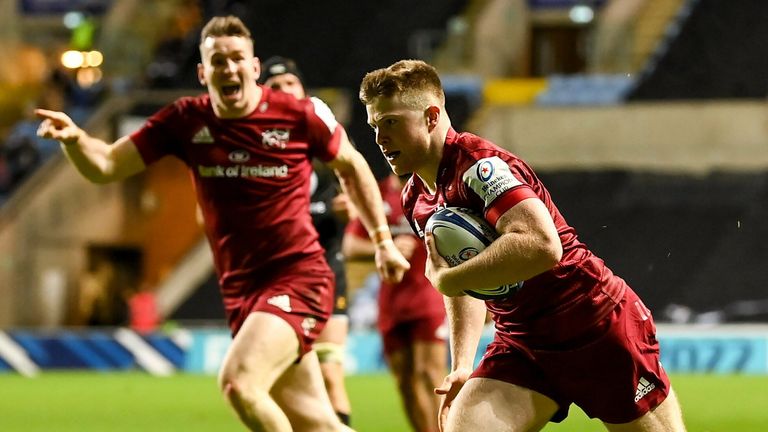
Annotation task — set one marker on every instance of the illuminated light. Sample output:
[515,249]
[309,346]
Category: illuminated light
[72,59]
[94,58]
[73,19]
[581,14]
[87,77]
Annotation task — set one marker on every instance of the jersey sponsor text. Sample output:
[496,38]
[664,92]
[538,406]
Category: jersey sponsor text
[243,171]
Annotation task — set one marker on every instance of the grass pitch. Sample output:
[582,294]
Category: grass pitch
[116,402]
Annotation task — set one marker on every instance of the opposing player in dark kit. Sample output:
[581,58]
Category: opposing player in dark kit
[573,333]
[249,152]
[330,212]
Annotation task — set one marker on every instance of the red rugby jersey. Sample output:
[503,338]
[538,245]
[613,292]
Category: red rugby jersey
[414,296]
[251,175]
[549,308]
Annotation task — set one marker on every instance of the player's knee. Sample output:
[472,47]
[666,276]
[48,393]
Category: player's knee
[406,384]
[230,388]
[241,395]
[236,377]
[423,375]
[329,352]
[234,386]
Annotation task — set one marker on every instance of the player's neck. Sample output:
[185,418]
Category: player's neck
[428,183]
[428,172]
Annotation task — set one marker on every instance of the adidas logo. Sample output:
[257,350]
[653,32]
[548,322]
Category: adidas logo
[643,388]
[282,302]
[203,136]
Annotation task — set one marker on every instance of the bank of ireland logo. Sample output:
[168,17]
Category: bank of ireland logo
[468,253]
[239,156]
[485,170]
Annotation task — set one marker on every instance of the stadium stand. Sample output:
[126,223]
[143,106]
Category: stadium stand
[670,238]
[591,90]
[712,51]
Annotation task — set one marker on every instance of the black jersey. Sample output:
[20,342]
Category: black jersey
[324,186]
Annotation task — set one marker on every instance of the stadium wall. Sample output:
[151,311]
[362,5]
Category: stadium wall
[50,223]
[42,234]
[680,137]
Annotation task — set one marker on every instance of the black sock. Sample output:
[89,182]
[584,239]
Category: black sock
[344,417]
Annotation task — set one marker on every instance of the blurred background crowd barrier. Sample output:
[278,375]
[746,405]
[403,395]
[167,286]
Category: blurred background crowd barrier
[645,118]
[726,349]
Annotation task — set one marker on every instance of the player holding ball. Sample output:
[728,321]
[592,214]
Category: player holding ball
[572,333]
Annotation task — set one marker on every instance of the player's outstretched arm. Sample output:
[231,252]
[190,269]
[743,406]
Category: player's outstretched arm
[359,184]
[355,247]
[96,160]
[359,248]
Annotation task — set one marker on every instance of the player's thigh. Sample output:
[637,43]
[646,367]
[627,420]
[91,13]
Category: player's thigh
[335,330]
[429,346]
[667,417]
[330,345]
[301,394]
[431,358]
[262,350]
[400,362]
[493,405]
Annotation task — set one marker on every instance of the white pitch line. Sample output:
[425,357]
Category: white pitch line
[146,356]
[15,356]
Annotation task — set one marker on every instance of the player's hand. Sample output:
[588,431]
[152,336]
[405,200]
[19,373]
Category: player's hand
[57,125]
[448,391]
[390,263]
[436,267]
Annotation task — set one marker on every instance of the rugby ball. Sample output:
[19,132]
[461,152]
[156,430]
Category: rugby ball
[461,234]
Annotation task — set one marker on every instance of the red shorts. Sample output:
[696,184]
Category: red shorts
[302,296]
[613,374]
[426,329]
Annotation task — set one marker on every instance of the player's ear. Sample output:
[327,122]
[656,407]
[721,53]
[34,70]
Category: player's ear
[257,67]
[201,73]
[433,117]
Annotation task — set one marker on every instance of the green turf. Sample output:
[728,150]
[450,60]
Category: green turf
[85,402]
